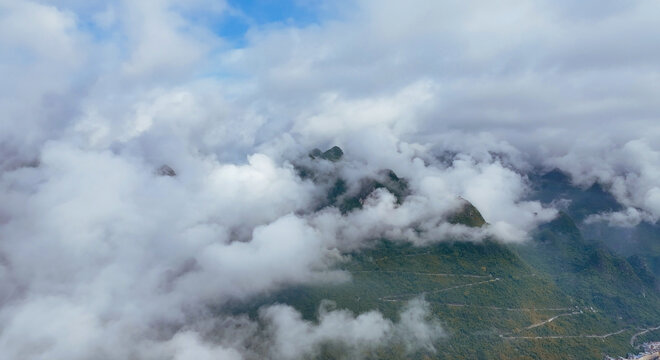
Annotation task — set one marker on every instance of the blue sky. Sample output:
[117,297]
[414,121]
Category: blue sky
[262,12]
[232,25]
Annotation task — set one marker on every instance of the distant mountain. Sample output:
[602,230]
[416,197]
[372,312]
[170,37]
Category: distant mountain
[333,154]
[642,242]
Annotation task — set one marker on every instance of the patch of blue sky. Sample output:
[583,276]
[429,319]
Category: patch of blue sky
[245,14]
[99,33]
[234,23]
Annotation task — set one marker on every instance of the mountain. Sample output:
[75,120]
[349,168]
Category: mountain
[557,296]
[333,154]
[641,240]
[468,215]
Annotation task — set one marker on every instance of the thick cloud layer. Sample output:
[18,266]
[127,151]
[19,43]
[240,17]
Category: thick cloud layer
[102,257]
[550,84]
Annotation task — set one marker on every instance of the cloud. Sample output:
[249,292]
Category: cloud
[189,346]
[101,238]
[460,98]
[629,218]
[294,338]
[629,172]
[536,80]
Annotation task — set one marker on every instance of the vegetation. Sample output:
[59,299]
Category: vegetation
[468,215]
[558,296]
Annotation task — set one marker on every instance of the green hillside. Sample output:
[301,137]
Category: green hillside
[488,299]
[495,301]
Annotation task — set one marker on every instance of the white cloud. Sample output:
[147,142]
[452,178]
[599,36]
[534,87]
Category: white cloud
[458,97]
[630,172]
[629,218]
[294,338]
[188,346]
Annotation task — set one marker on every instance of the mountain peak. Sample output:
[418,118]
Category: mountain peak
[467,215]
[165,170]
[333,154]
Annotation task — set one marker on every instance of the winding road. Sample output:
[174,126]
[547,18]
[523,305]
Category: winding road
[423,273]
[634,337]
[504,308]
[564,336]
[553,319]
[402,297]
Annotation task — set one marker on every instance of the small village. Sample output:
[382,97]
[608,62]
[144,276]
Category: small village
[651,351]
